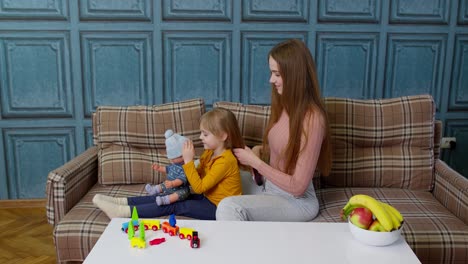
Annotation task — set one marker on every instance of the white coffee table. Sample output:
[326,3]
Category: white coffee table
[249,242]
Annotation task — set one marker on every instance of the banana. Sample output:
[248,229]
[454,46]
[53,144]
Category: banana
[395,212]
[395,221]
[362,200]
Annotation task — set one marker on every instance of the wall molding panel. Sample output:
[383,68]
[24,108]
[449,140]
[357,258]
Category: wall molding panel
[458,91]
[61,59]
[117,69]
[44,59]
[458,129]
[463,12]
[197,64]
[354,56]
[218,10]
[353,11]
[135,10]
[272,10]
[40,10]
[415,64]
[415,11]
[26,155]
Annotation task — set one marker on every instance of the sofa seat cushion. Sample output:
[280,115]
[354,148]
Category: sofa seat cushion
[430,229]
[77,233]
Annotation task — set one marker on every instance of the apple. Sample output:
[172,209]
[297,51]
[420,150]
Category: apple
[361,217]
[376,226]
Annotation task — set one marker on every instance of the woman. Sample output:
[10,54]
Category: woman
[296,142]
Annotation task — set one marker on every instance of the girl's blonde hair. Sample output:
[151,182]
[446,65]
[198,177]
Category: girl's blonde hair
[220,120]
[300,97]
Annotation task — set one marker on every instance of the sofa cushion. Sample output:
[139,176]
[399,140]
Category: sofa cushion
[382,142]
[252,119]
[131,138]
[434,234]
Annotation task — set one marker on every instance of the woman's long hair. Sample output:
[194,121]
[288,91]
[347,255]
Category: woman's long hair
[300,98]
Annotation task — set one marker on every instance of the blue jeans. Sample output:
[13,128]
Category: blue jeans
[196,206]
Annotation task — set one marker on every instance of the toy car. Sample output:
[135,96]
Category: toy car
[195,242]
[172,230]
[185,232]
[125,226]
[155,225]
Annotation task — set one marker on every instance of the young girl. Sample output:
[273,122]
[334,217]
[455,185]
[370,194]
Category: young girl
[296,142]
[215,178]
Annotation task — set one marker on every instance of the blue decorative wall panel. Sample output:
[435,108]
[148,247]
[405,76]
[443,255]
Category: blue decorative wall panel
[418,11]
[463,12]
[115,10]
[344,10]
[197,10]
[354,57]
[414,64]
[197,64]
[34,9]
[273,10]
[35,74]
[61,59]
[117,69]
[27,162]
[459,87]
[88,131]
[457,157]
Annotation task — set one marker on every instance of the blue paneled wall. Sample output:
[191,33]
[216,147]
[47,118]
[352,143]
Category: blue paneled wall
[61,59]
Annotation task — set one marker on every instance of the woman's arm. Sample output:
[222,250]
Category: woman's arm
[297,183]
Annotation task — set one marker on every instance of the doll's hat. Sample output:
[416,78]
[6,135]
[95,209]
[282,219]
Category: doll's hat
[174,144]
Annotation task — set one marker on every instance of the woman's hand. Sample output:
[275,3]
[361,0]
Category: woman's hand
[188,151]
[247,157]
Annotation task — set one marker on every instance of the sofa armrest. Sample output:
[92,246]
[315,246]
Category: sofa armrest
[67,184]
[451,190]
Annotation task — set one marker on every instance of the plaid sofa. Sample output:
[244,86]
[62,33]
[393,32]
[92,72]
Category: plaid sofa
[386,148]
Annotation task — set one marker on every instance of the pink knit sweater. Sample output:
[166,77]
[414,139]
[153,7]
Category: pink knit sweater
[297,183]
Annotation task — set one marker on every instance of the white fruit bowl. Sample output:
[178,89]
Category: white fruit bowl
[373,238]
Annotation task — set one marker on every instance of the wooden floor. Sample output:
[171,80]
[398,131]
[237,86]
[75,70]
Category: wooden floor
[25,235]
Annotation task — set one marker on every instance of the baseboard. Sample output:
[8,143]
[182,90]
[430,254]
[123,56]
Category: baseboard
[25,203]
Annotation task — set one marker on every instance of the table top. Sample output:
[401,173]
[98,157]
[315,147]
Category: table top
[248,242]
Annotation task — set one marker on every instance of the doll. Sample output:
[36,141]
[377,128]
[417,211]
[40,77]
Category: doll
[175,187]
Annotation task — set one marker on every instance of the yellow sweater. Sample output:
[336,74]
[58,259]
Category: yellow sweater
[216,178]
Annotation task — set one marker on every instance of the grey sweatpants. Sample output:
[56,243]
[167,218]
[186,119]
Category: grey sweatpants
[269,204]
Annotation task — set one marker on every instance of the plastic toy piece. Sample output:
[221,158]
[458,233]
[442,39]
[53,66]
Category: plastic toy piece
[186,232]
[172,230]
[172,220]
[137,242]
[141,232]
[134,214]
[157,241]
[131,230]
[125,226]
[195,242]
[155,225]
